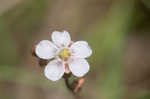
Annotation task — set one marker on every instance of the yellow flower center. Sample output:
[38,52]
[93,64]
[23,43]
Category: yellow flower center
[64,53]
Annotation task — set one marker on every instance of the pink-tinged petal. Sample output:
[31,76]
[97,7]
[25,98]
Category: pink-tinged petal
[54,70]
[61,39]
[45,49]
[80,49]
[79,67]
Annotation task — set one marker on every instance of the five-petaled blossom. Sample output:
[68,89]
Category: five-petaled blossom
[68,56]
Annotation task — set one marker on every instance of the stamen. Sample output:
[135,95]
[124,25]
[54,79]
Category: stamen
[64,54]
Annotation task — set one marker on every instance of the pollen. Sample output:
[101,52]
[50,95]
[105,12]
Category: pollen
[64,53]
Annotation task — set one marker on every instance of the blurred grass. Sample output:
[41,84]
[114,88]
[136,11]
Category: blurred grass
[108,43]
[26,17]
[8,49]
[143,95]
[146,3]
[17,27]
[23,23]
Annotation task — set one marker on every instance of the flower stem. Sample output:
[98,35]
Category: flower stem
[75,86]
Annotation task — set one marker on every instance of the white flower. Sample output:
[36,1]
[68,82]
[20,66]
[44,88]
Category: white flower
[68,56]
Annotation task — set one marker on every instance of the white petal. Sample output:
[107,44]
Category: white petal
[54,70]
[45,49]
[79,67]
[80,49]
[61,39]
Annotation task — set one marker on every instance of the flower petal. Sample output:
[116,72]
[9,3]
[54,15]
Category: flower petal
[54,70]
[79,67]
[80,49]
[45,49]
[61,39]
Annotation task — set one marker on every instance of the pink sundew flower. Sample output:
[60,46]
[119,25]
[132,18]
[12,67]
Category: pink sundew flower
[68,56]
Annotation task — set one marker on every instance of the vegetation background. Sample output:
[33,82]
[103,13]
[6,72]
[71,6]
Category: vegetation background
[117,30]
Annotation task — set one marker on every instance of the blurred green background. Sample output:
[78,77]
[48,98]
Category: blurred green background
[118,32]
